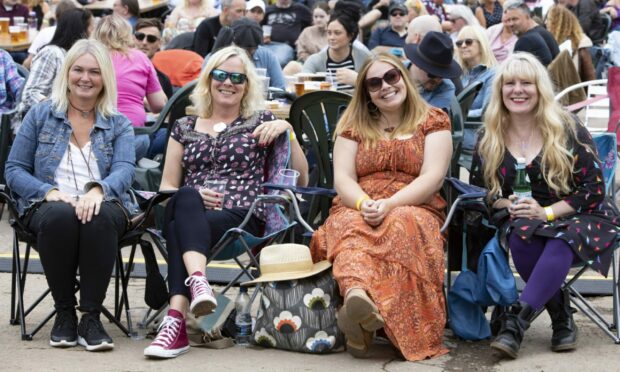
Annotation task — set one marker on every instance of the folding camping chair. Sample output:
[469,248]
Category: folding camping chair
[20,310]
[236,241]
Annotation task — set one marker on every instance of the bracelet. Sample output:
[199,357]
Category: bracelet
[292,137]
[550,214]
[360,200]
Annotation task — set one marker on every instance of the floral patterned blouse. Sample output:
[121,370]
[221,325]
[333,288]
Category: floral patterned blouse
[594,226]
[232,155]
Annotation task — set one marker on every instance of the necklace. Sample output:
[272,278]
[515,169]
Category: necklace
[70,160]
[219,127]
[525,144]
[84,113]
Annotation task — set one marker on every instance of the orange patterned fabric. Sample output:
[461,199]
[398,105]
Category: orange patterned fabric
[400,263]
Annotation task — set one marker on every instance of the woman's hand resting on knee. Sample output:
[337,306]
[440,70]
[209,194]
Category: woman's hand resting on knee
[89,204]
[85,206]
[375,211]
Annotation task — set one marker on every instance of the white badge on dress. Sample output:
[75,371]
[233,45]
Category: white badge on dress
[219,127]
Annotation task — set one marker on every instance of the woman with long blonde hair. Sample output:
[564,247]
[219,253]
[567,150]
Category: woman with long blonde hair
[391,153]
[564,25]
[136,77]
[567,218]
[477,60]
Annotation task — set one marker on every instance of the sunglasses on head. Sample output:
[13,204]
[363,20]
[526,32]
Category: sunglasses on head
[391,77]
[141,35]
[467,42]
[235,77]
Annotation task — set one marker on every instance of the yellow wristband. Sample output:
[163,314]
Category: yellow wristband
[360,200]
[292,137]
[48,192]
[550,214]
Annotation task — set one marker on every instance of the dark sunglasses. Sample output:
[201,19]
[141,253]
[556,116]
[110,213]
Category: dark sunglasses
[467,42]
[391,77]
[141,35]
[235,77]
[397,14]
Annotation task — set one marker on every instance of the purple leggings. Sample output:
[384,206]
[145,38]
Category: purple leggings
[543,264]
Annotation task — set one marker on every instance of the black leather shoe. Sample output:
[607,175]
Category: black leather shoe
[518,319]
[64,331]
[92,335]
[565,330]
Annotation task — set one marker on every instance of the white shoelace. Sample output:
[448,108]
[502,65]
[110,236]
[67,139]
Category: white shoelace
[168,330]
[198,285]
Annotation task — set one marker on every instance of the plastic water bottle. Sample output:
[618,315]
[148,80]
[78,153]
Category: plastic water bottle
[243,320]
[522,187]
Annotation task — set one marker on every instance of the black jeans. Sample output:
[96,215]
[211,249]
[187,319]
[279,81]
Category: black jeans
[66,245]
[190,227]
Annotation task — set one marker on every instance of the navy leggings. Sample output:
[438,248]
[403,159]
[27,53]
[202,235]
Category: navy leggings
[190,227]
[543,264]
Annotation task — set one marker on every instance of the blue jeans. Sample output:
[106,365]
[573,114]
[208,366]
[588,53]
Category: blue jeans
[141,143]
[283,52]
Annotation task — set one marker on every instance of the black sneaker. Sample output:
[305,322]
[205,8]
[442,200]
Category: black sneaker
[64,331]
[92,335]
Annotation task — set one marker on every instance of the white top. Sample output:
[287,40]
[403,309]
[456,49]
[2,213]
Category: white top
[64,175]
[42,39]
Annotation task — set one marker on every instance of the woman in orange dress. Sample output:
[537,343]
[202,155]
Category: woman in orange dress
[390,156]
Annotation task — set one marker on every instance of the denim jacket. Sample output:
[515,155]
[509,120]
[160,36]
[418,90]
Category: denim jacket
[43,139]
[485,75]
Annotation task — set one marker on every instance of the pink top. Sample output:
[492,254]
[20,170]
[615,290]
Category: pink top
[135,78]
[500,49]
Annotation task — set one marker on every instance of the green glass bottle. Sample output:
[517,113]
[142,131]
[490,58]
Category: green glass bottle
[522,187]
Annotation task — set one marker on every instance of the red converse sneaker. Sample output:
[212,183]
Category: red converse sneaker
[171,340]
[203,300]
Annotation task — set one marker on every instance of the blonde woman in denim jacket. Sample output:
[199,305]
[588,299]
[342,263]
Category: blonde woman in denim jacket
[70,167]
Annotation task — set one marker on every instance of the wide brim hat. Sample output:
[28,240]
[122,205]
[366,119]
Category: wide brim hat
[280,262]
[435,55]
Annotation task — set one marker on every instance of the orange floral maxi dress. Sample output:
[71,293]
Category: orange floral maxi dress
[400,263]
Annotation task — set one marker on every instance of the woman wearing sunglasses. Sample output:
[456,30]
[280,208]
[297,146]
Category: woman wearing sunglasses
[475,56]
[227,140]
[135,76]
[391,153]
[567,218]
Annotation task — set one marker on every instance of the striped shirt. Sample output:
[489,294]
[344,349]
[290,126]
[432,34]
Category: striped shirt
[332,66]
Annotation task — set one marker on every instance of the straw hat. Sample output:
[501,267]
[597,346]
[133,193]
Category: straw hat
[287,262]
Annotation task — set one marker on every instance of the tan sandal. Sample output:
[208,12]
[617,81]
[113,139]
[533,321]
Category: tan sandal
[362,310]
[358,340]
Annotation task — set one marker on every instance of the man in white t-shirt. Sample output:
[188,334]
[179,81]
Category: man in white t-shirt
[45,35]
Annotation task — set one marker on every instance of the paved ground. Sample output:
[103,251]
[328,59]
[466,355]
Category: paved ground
[596,351]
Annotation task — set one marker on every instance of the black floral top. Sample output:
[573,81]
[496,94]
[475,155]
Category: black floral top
[233,155]
[594,226]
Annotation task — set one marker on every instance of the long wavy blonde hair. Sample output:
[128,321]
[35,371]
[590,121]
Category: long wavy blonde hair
[564,25]
[556,125]
[362,120]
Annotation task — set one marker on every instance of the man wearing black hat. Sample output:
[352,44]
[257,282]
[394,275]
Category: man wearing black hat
[432,66]
[394,34]
[247,34]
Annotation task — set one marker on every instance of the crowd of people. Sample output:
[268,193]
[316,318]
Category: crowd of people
[92,80]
